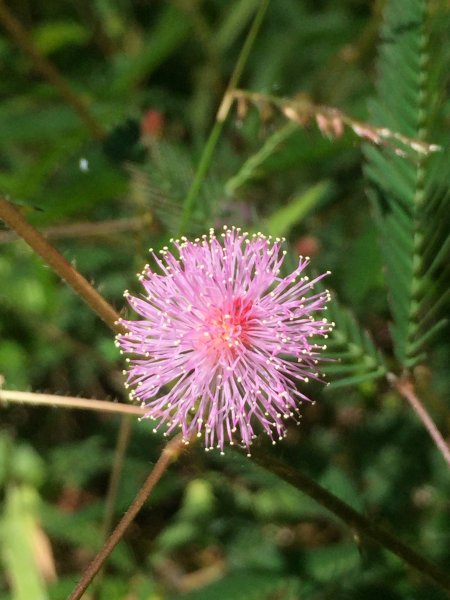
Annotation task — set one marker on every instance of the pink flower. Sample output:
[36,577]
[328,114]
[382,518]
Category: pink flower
[224,338]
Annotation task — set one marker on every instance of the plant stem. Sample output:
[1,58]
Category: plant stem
[250,167]
[227,99]
[100,306]
[352,518]
[405,388]
[9,396]
[222,114]
[295,478]
[14,219]
[122,442]
[48,70]
[200,174]
[113,487]
[87,229]
[169,454]
[84,289]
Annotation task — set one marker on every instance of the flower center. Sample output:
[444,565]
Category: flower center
[227,328]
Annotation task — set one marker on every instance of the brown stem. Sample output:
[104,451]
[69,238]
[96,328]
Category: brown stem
[295,478]
[48,70]
[13,218]
[87,229]
[81,286]
[352,518]
[405,388]
[169,454]
[69,402]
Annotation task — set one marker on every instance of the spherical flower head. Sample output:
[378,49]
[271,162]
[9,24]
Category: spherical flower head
[224,339]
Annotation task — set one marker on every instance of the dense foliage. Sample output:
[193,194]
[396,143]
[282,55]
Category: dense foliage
[306,159]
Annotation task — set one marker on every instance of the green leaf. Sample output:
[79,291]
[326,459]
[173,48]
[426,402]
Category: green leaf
[18,532]
[353,355]
[83,529]
[244,585]
[253,166]
[339,483]
[169,32]
[357,379]
[176,535]
[236,18]
[78,462]
[283,220]
[14,361]
[410,196]
[252,548]
[282,501]
[333,562]
[53,35]
[190,521]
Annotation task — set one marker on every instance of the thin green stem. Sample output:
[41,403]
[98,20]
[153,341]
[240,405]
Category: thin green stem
[363,525]
[121,445]
[123,439]
[252,165]
[227,100]
[14,219]
[202,169]
[169,454]
[222,113]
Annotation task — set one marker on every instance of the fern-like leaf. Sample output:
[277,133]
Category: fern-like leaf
[411,205]
[354,357]
[163,182]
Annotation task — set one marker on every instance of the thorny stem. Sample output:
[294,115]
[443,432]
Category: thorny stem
[87,229]
[48,70]
[169,454]
[298,480]
[14,219]
[82,287]
[222,114]
[405,388]
[99,305]
[125,410]
[10,396]
[41,246]
[357,521]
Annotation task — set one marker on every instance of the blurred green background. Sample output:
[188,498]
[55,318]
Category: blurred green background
[152,75]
